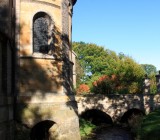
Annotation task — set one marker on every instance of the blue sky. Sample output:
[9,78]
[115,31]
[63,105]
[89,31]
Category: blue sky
[128,26]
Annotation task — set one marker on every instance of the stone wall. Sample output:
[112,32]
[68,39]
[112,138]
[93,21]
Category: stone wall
[58,109]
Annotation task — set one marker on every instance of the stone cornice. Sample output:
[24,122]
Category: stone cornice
[74,1]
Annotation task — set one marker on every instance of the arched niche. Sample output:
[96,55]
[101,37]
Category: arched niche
[43,33]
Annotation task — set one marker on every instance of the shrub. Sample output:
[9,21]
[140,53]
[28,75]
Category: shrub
[133,87]
[86,128]
[115,84]
[104,85]
[83,89]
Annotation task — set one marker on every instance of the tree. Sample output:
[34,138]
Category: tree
[149,68]
[93,59]
[98,62]
[131,75]
[79,72]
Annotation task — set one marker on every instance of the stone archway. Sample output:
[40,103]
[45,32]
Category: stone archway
[96,117]
[131,114]
[40,131]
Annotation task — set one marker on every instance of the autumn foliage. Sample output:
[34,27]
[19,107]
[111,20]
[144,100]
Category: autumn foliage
[83,89]
[113,85]
[105,84]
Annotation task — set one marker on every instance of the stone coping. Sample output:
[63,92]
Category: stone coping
[45,99]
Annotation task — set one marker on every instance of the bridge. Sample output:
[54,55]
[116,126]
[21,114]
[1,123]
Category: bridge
[117,107]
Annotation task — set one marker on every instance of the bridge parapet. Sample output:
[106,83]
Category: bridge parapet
[116,105]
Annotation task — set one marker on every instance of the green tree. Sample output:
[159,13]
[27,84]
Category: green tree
[97,61]
[153,87]
[90,55]
[79,72]
[94,59]
[131,75]
[149,68]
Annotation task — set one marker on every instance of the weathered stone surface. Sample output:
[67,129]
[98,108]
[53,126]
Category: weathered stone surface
[63,115]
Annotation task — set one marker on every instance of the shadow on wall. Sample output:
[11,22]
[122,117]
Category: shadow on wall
[48,76]
[40,79]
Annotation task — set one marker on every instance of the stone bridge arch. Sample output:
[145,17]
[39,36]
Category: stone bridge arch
[131,114]
[117,105]
[96,116]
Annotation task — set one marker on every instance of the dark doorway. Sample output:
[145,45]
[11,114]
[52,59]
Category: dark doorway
[41,130]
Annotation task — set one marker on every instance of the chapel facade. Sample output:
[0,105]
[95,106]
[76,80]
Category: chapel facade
[36,70]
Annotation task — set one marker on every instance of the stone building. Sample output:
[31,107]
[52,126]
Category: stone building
[36,70]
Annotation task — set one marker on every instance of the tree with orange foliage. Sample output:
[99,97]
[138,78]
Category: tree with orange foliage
[105,85]
[83,89]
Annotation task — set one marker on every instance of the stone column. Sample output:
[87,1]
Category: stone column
[146,85]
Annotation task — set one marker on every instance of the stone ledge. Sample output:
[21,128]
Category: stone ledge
[38,98]
[45,2]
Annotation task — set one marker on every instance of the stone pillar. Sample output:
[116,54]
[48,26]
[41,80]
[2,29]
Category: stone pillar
[158,82]
[74,68]
[146,85]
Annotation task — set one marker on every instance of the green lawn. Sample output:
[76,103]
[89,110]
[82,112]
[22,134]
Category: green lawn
[150,127]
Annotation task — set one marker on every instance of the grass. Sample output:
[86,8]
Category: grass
[150,127]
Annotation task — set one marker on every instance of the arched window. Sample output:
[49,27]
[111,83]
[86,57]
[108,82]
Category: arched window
[42,33]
